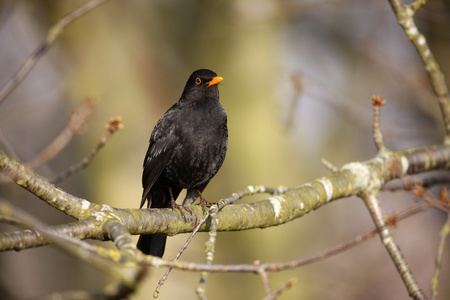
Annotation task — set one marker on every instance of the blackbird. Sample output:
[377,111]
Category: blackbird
[187,148]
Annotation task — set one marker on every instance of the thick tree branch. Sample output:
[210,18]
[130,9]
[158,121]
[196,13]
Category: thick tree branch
[65,202]
[118,224]
[20,240]
[352,179]
[126,272]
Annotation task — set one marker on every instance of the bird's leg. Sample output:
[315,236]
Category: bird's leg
[172,201]
[174,204]
[203,201]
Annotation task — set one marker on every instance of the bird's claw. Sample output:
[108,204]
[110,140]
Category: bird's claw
[181,209]
[204,203]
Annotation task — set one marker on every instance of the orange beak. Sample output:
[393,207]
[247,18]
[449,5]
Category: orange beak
[215,80]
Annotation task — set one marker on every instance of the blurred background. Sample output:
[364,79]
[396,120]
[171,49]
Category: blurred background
[298,82]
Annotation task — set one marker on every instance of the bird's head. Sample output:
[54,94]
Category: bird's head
[202,85]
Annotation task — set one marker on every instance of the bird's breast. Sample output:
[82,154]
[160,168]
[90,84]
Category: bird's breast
[201,149]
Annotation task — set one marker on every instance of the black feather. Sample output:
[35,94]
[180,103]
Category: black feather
[187,148]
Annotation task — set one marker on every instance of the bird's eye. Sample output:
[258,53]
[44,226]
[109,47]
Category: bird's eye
[198,80]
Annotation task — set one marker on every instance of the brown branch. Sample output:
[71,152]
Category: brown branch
[329,165]
[7,147]
[421,192]
[264,277]
[341,106]
[377,101]
[113,126]
[429,181]
[273,295]
[296,79]
[78,118]
[51,37]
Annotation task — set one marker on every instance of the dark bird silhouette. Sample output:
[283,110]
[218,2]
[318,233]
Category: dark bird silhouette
[187,148]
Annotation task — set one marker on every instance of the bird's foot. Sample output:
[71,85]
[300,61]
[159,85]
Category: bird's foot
[203,201]
[177,206]
[182,209]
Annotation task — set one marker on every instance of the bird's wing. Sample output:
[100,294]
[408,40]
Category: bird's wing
[158,155]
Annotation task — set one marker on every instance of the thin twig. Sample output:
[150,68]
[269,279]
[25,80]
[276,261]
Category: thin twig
[445,231]
[429,181]
[51,37]
[264,277]
[78,118]
[329,165]
[421,192]
[186,244]
[8,148]
[211,242]
[210,247]
[251,190]
[273,295]
[296,79]
[113,126]
[377,101]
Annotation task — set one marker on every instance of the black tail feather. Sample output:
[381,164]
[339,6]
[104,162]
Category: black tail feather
[152,244]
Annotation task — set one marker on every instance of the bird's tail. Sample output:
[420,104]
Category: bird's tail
[152,244]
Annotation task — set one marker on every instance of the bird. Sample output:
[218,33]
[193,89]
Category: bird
[187,148]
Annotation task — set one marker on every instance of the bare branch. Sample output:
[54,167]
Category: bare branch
[405,17]
[329,165]
[51,37]
[278,209]
[273,295]
[166,275]
[296,79]
[445,231]
[377,101]
[276,267]
[264,277]
[392,247]
[78,118]
[20,240]
[113,126]
[67,203]
[126,276]
[210,246]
